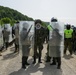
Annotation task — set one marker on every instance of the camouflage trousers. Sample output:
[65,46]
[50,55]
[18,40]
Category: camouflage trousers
[68,45]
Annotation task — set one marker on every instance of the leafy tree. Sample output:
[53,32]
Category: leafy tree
[13,14]
[12,22]
[5,21]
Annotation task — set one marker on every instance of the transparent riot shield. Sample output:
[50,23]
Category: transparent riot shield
[26,31]
[1,38]
[8,30]
[56,39]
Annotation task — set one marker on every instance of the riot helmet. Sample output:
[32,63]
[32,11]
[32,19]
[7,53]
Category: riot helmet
[25,26]
[37,21]
[54,23]
[68,26]
[5,26]
[38,24]
[17,23]
[54,20]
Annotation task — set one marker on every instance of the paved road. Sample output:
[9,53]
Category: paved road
[10,64]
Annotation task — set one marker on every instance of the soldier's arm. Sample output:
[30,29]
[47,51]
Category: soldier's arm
[64,33]
[49,27]
[13,33]
[72,35]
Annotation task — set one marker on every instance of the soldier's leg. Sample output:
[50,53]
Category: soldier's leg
[26,61]
[23,62]
[47,57]
[1,50]
[3,41]
[18,45]
[0,53]
[40,52]
[65,46]
[6,45]
[70,47]
[54,61]
[74,46]
[35,52]
[15,48]
[58,62]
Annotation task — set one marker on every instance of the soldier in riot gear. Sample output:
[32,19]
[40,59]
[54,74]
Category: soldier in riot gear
[38,40]
[74,39]
[1,41]
[15,34]
[25,43]
[55,39]
[6,34]
[49,28]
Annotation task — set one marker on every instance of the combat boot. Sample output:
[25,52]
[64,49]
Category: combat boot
[39,61]
[48,59]
[26,63]
[0,54]
[34,60]
[23,62]
[54,62]
[58,67]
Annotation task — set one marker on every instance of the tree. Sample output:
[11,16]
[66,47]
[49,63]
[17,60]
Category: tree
[13,14]
[12,22]
[5,21]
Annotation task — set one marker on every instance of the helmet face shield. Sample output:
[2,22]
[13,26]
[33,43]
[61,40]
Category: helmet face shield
[8,29]
[55,25]
[25,25]
[17,25]
[59,26]
[6,26]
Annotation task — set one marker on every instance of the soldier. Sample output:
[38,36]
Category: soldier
[15,34]
[38,40]
[1,42]
[13,31]
[55,43]
[68,35]
[74,39]
[26,43]
[6,34]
